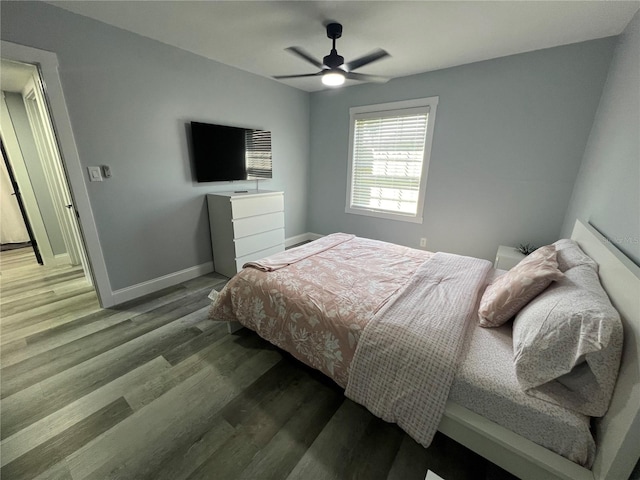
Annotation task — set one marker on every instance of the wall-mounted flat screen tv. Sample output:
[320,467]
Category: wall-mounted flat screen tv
[222,153]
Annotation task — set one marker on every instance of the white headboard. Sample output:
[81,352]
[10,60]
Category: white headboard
[618,432]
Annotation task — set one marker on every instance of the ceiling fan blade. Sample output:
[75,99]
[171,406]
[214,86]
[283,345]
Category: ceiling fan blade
[365,60]
[280,77]
[305,56]
[361,77]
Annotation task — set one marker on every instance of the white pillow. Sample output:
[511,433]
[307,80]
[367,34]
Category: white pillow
[567,344]
[569,255]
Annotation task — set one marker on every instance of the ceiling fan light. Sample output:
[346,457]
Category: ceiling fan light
[333,79]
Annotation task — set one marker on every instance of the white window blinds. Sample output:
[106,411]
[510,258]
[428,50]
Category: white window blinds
[388,160]
[258,154]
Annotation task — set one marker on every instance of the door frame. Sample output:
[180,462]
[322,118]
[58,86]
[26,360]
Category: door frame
[52,167]
[47,63]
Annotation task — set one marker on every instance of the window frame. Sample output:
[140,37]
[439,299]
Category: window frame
[383,110]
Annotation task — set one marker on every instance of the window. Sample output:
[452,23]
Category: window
[257,154]
[389,153]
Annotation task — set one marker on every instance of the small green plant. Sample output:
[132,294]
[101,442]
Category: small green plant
[526,249]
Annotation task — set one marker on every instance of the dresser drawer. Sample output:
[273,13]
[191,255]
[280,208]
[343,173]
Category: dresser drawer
[243,227]
[257,256]
[261,241]
[242,207]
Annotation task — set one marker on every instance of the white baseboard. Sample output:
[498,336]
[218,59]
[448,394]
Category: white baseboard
[303,237]
[61,259]
[136,291]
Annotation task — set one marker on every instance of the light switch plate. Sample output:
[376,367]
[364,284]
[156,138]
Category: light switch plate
[95,174]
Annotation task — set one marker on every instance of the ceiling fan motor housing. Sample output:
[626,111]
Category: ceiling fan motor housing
[334,30]
[333,60]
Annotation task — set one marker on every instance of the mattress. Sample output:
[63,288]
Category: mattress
[486,384]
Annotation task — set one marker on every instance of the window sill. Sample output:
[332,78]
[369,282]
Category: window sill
[383,215]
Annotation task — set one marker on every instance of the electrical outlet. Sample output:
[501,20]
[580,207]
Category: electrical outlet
[423,242]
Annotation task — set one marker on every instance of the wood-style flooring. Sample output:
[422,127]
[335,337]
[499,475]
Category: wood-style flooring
[154,390]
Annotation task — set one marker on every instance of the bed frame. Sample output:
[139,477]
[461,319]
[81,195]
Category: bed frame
[617,433]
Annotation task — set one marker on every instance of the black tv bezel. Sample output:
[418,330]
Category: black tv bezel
[207,158]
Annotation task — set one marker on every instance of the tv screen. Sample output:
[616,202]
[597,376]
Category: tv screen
[223,153]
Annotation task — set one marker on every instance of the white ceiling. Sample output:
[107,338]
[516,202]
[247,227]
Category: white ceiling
[420,35]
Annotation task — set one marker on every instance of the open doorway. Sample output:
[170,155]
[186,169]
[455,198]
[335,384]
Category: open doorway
[15,228]
[71,169]
[34,159]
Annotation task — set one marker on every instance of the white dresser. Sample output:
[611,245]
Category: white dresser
[245,226]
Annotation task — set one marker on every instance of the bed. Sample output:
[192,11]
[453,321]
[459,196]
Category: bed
[331,329]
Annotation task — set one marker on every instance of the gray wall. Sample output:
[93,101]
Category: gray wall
[130,99]
[20,122]
[607,190]
[508,141]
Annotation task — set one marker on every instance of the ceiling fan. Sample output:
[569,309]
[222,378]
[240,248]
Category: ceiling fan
[333,69]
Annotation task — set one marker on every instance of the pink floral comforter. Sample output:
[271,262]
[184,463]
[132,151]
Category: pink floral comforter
[312,309]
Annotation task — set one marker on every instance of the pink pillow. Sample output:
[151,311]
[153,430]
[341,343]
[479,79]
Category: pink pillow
[513,290]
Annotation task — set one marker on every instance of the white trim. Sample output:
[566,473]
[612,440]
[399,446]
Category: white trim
[388,216]
[296,239]
[48,63]
[303,237]
[150,286]
[400,105]
[46,144]
[431,103]
[62,259]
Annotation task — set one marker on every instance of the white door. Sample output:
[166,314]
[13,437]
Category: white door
[47,147]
